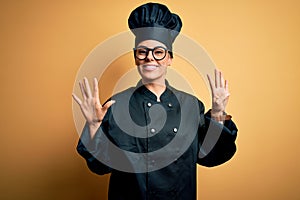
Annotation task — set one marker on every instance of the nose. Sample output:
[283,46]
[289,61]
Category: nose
[149,56]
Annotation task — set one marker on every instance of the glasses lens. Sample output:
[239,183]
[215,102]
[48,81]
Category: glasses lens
[141,53]
[159,53]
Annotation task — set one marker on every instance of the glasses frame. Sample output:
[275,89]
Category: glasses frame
[152,50]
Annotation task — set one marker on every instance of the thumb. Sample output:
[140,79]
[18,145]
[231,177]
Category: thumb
[108,104]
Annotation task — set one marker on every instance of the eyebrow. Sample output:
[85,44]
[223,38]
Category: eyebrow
[142,46]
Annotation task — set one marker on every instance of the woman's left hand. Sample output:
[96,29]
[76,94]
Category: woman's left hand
[220,93]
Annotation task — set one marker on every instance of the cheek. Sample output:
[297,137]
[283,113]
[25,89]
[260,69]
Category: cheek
[139,69]
[166,62]
[137,62]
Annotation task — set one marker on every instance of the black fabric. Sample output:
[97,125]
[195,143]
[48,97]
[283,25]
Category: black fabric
[176,181]
[154,21]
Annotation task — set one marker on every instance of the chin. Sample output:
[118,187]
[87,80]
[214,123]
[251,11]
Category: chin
[156,80]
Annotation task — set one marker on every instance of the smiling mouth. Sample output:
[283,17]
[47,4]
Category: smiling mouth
[150,67]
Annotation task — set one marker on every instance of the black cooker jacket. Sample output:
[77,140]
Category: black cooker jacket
[177,181]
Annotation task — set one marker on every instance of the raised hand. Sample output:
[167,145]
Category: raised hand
[220,94]
[90,105]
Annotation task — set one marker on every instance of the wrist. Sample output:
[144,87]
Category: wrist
[219,115]
[93,129]
[216,113]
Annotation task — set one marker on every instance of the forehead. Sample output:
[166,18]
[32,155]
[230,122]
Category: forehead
[151,43]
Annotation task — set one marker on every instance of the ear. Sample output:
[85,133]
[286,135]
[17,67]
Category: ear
[169,61]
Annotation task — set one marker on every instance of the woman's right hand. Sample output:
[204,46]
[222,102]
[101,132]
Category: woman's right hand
[90,106]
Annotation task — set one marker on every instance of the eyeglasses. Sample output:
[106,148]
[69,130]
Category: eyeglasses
[158,53]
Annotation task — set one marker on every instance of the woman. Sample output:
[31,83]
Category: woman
[161,117]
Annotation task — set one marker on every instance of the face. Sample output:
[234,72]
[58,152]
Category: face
[151,70]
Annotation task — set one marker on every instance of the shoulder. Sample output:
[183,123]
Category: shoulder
[184,96]
[127,92]
[188,100]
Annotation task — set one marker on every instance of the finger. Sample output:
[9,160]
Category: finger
[216,78]
[221,79]
[226,85]
[228,95]
[76,99]
[87,87]
[210,84]
[108,104]
[96,92]
[83,92]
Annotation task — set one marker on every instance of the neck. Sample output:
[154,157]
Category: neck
[156,89]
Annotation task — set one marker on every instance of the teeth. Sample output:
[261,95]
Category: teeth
[150,67]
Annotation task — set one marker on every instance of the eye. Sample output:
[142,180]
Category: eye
[141,51]
[159,51]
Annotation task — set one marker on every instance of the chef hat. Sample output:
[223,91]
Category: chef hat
[154,21]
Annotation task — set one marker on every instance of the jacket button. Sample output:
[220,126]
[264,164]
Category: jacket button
[175,130]
[169,105]
[152,130]
[149,104]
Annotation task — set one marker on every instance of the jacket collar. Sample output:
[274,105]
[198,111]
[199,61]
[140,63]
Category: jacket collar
[141,88]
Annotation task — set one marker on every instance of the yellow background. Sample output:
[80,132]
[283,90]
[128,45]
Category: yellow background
[43,43]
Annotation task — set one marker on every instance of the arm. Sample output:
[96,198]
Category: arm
[218,132]
[89,144]
[216,141]
[88,149]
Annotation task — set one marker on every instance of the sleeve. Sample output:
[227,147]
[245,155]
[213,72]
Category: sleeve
[216,141]
[89,149]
